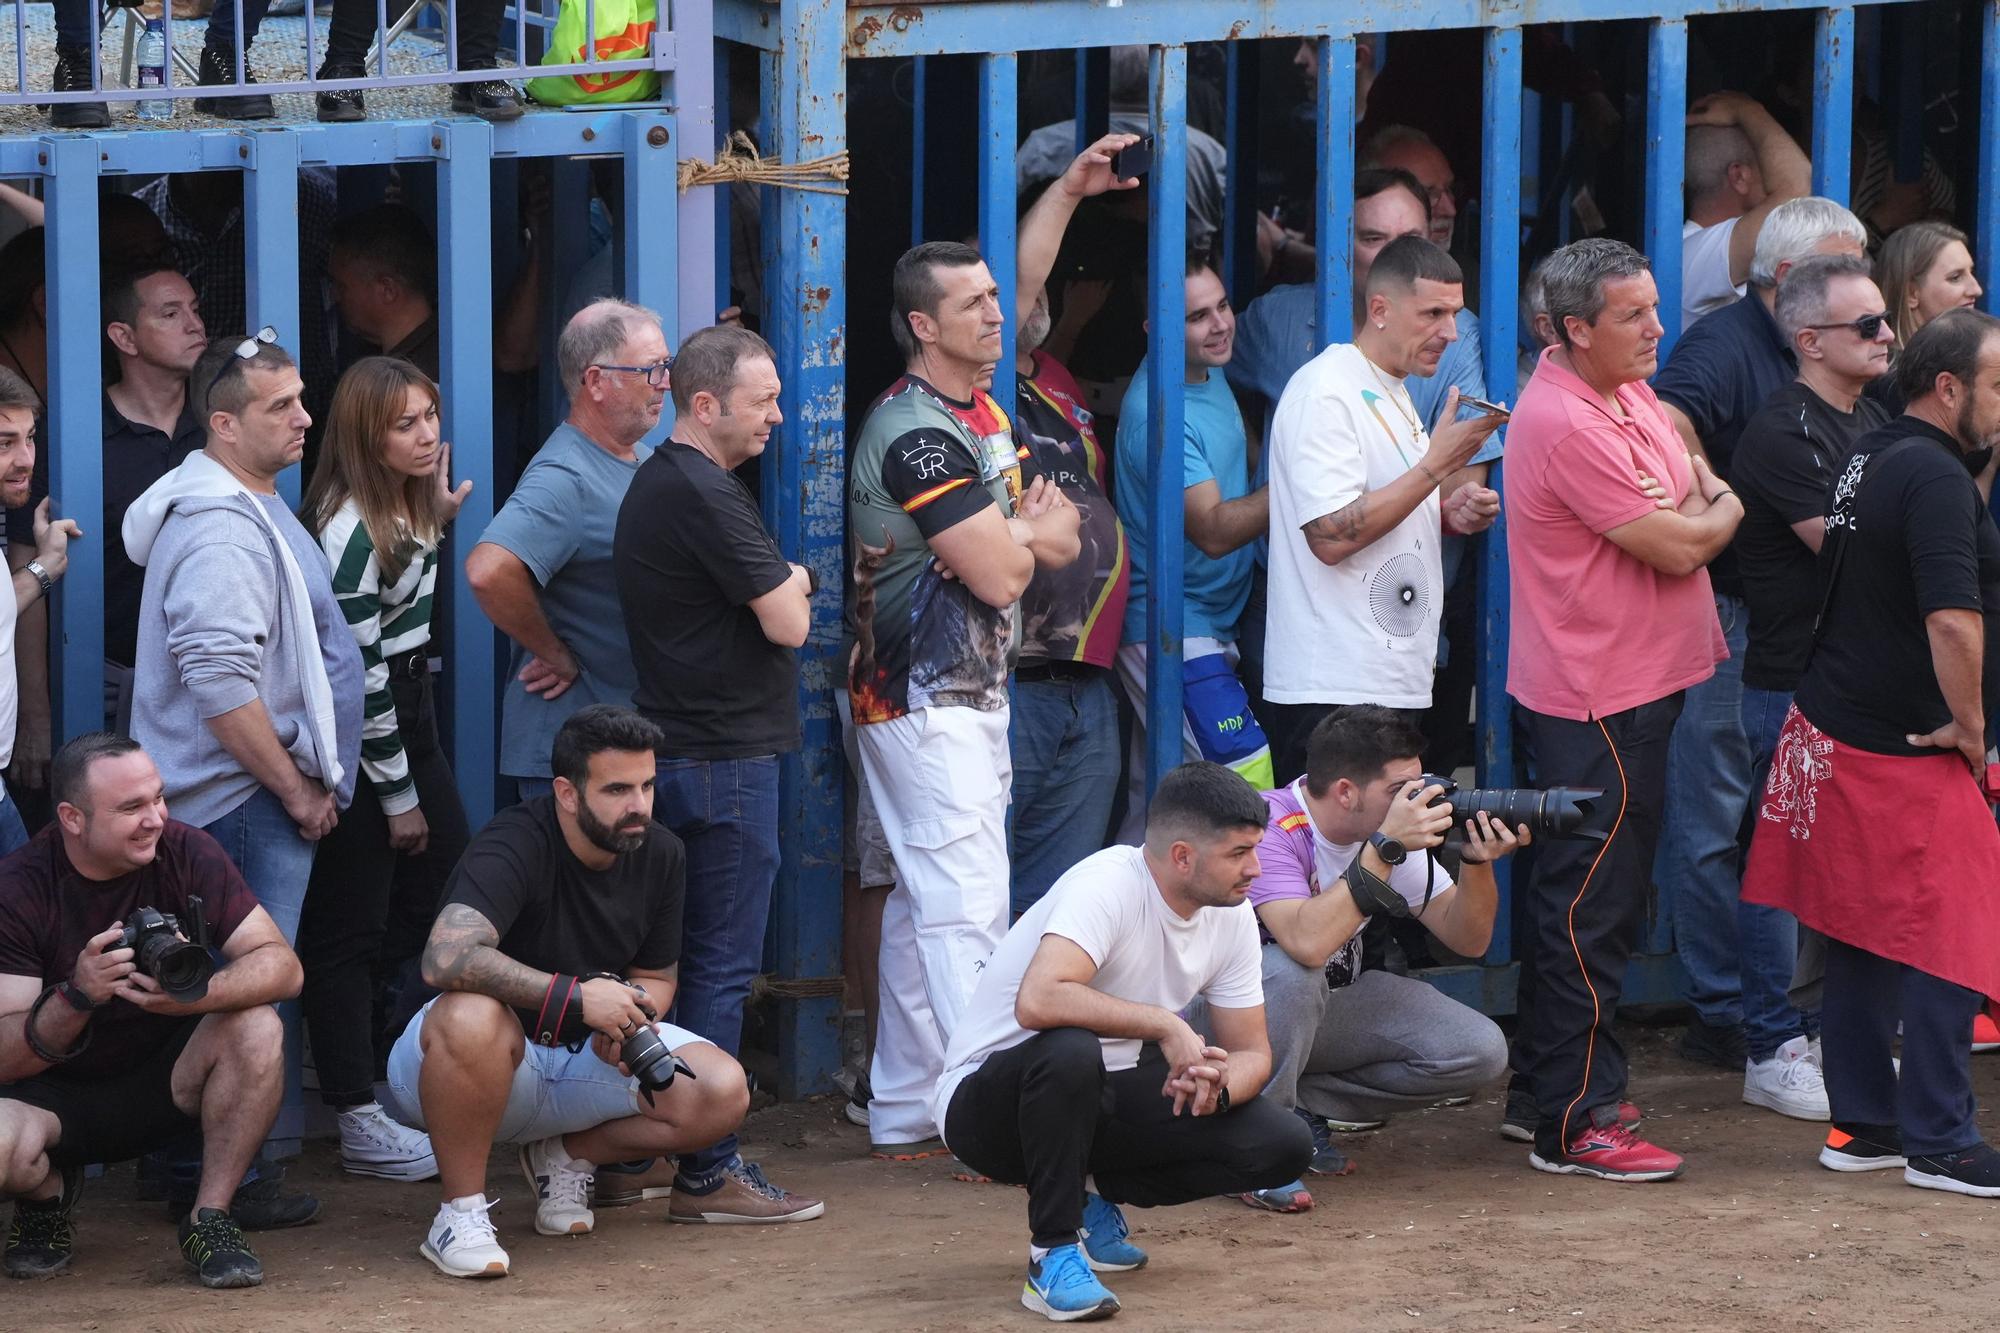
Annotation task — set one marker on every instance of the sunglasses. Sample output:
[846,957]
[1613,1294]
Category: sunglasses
[656,374]
[245,351]
[1865,328]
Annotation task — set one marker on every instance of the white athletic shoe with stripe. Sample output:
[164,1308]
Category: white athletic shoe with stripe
[462,1242]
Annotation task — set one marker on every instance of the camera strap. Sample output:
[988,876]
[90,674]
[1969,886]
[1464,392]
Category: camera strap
[34,1043]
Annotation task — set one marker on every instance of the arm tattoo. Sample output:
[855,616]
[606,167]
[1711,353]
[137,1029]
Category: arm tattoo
[1342,525]
[461,956]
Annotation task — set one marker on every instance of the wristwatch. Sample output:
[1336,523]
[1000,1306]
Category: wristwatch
[1222,1099]
[74,997]
[1391,851]
[41,576]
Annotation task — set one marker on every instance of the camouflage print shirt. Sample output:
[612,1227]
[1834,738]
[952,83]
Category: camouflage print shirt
[925,463]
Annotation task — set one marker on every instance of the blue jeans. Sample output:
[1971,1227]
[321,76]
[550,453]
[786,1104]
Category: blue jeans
[725,812]
[1063,735]
[13,833]
[1767,936]
[1699,866]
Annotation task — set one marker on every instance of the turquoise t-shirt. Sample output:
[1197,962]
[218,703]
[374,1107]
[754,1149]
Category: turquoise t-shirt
[1216,586]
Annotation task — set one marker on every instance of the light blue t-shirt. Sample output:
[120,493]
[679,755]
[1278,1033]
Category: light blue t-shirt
[337,649]
[558,522]
[1216,586]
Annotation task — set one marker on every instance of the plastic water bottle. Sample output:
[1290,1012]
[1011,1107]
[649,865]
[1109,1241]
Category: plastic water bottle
[153,71]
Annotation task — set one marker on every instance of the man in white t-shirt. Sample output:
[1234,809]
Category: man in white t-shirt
[1349,839]
[1356,579]
[1072,1071]
[1740,165]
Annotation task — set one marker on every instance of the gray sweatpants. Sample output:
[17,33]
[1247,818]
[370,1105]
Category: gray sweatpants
[1382,1044]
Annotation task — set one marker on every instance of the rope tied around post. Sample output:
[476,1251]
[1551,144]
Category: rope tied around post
[739,160]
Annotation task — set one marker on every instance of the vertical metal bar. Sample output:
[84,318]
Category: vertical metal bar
[694,120]
[1833,103]
[723,123]
[21,48]
[271,251]
[652,251]
[1239,229]
[806,475]
[75,443]
[1500,283]
[999,93]
[1666,155]
[589,52]
[382,38]
[1989,152]
[1166,369]
[1333,196]
[919,106]
[465,343]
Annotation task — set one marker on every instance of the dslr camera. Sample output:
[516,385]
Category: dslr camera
[181,966]
[1558,812]
[644,1053]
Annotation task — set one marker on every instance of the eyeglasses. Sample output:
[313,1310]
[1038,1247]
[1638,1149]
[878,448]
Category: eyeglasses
[1865,328]
[656,374]
[245,351]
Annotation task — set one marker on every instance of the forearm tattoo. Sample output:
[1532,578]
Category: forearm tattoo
[461,956]
[1343,524]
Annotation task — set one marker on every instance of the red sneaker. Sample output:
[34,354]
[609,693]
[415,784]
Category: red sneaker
[1985,1032]
[1611,1153]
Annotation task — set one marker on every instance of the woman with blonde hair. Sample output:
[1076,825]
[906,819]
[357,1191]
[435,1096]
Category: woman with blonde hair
[1924,269]
[379,502]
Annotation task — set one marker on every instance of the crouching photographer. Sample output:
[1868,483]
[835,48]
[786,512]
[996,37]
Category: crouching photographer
[118,1034]
[557,949]
[1348,840]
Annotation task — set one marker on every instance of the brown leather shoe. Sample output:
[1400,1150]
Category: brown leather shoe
[744,1196]
[620,1189]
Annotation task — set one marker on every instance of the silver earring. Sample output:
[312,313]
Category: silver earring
[1378,324]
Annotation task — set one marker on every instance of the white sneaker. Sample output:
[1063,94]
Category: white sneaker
[562,1190]
[462,1242]
[1790,1083]
[371,1144]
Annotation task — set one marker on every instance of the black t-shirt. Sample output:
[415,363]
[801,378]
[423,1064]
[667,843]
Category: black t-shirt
[1919,540]
[691,553]
[556,914]
[1785,463]
[48,912]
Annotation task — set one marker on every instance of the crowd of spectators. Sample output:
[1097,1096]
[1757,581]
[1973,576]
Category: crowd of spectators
[1110,996]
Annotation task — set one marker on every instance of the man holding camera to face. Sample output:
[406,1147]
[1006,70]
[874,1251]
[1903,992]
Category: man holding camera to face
[117,1034]
[1349,839]
[557,949]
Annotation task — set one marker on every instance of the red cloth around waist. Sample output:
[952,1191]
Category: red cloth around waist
[1896,855]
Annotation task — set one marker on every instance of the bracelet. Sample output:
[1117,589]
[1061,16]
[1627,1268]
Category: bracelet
[42,1052]
[41,574]
[1726,491]
[1428,473]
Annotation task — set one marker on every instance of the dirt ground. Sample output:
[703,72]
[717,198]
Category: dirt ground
[1442,1226]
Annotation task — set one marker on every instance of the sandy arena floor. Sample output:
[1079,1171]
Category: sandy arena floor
[1443,1226]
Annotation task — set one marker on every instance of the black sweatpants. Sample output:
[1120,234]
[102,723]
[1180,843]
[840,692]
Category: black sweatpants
[1932,1102]
[1045,1114]
[1586,908]
[369,908]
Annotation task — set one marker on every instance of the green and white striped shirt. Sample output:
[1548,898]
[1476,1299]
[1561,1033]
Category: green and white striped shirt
[386,622]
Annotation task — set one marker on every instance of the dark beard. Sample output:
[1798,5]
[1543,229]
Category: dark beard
[605,838]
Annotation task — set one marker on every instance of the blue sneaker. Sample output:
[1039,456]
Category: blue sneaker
[1292,1198]
[1327,1160]
[1104,1245]
[1062,1287]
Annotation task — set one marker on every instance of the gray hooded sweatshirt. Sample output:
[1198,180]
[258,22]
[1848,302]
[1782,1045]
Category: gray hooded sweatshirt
[220,625]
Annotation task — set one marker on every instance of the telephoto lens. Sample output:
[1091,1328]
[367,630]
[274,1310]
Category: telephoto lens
[1555,812]
[650,1061]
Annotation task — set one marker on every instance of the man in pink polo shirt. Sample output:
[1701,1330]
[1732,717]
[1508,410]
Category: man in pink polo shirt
[1610,527]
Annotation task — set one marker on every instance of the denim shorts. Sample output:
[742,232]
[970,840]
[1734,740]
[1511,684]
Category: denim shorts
[556,1090]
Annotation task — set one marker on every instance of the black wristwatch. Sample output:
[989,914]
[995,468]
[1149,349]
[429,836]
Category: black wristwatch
[74,997]
[812,581]
[1222,1099]
[1391,851]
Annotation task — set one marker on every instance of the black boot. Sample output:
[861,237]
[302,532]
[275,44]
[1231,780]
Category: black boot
[218,66]
[337,105]
[489,99]
[73,76]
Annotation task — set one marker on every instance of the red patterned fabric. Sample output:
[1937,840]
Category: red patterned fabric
[1896,855]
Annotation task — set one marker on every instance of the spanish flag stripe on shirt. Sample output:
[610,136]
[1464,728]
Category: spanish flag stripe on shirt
[922,498]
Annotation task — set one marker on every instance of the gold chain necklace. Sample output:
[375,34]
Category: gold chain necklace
[1395,400]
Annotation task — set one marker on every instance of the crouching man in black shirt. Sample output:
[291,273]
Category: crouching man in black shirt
[523,1047]
[97,1062]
